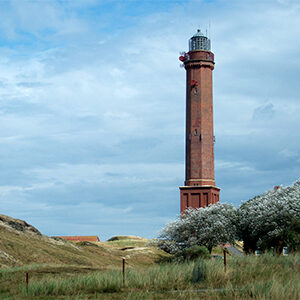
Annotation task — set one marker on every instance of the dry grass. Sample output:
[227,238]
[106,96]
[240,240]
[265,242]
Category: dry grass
[46,258]
[15,247]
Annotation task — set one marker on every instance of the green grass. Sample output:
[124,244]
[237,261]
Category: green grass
[156,278]
[12,280]
[250,277]
[126,243]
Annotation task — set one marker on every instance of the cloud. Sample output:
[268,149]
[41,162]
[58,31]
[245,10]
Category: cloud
[263,112]
[92,107]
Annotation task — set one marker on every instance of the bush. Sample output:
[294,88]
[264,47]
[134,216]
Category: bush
[208,226]
[196,252]
[199,271]
[271,220]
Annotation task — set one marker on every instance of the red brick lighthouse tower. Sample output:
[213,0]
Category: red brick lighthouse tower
[199,189]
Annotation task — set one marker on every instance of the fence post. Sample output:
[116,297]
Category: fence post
[224,251]
[27,282]
[123,269]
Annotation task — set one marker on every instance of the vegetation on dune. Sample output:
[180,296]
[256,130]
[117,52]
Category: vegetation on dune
[93,271]
[126,237]
[265,277]
[196,252]
[15,246]
[269,221]
[125,242]
[17,239]
[207,226]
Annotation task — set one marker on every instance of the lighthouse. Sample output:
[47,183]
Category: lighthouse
[199,188]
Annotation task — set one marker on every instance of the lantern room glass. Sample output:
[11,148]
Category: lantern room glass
[199,42]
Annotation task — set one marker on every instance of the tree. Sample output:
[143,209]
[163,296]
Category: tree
[207,226]
[271,220]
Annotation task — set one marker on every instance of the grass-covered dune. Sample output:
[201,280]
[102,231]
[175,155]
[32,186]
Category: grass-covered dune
[22,244]
[59,269]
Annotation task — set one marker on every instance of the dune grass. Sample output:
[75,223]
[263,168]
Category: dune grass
[126,243]
[250,277]
[161,278]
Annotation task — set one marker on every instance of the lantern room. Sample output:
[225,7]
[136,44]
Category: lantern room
[199,42]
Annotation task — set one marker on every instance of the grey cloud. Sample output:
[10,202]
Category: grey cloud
[263,112]
[93,127]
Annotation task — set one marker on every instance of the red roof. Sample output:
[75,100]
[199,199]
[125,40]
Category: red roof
[90,238]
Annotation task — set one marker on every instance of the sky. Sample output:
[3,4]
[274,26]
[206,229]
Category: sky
[92,108]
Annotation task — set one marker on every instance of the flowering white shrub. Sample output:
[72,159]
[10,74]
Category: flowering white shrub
[207,226]
[271,220]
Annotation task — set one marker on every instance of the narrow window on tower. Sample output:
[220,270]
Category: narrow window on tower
[196,132]
[196,91]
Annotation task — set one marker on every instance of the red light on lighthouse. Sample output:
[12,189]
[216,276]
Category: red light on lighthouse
[193,83]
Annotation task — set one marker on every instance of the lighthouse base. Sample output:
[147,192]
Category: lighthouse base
[198,196]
